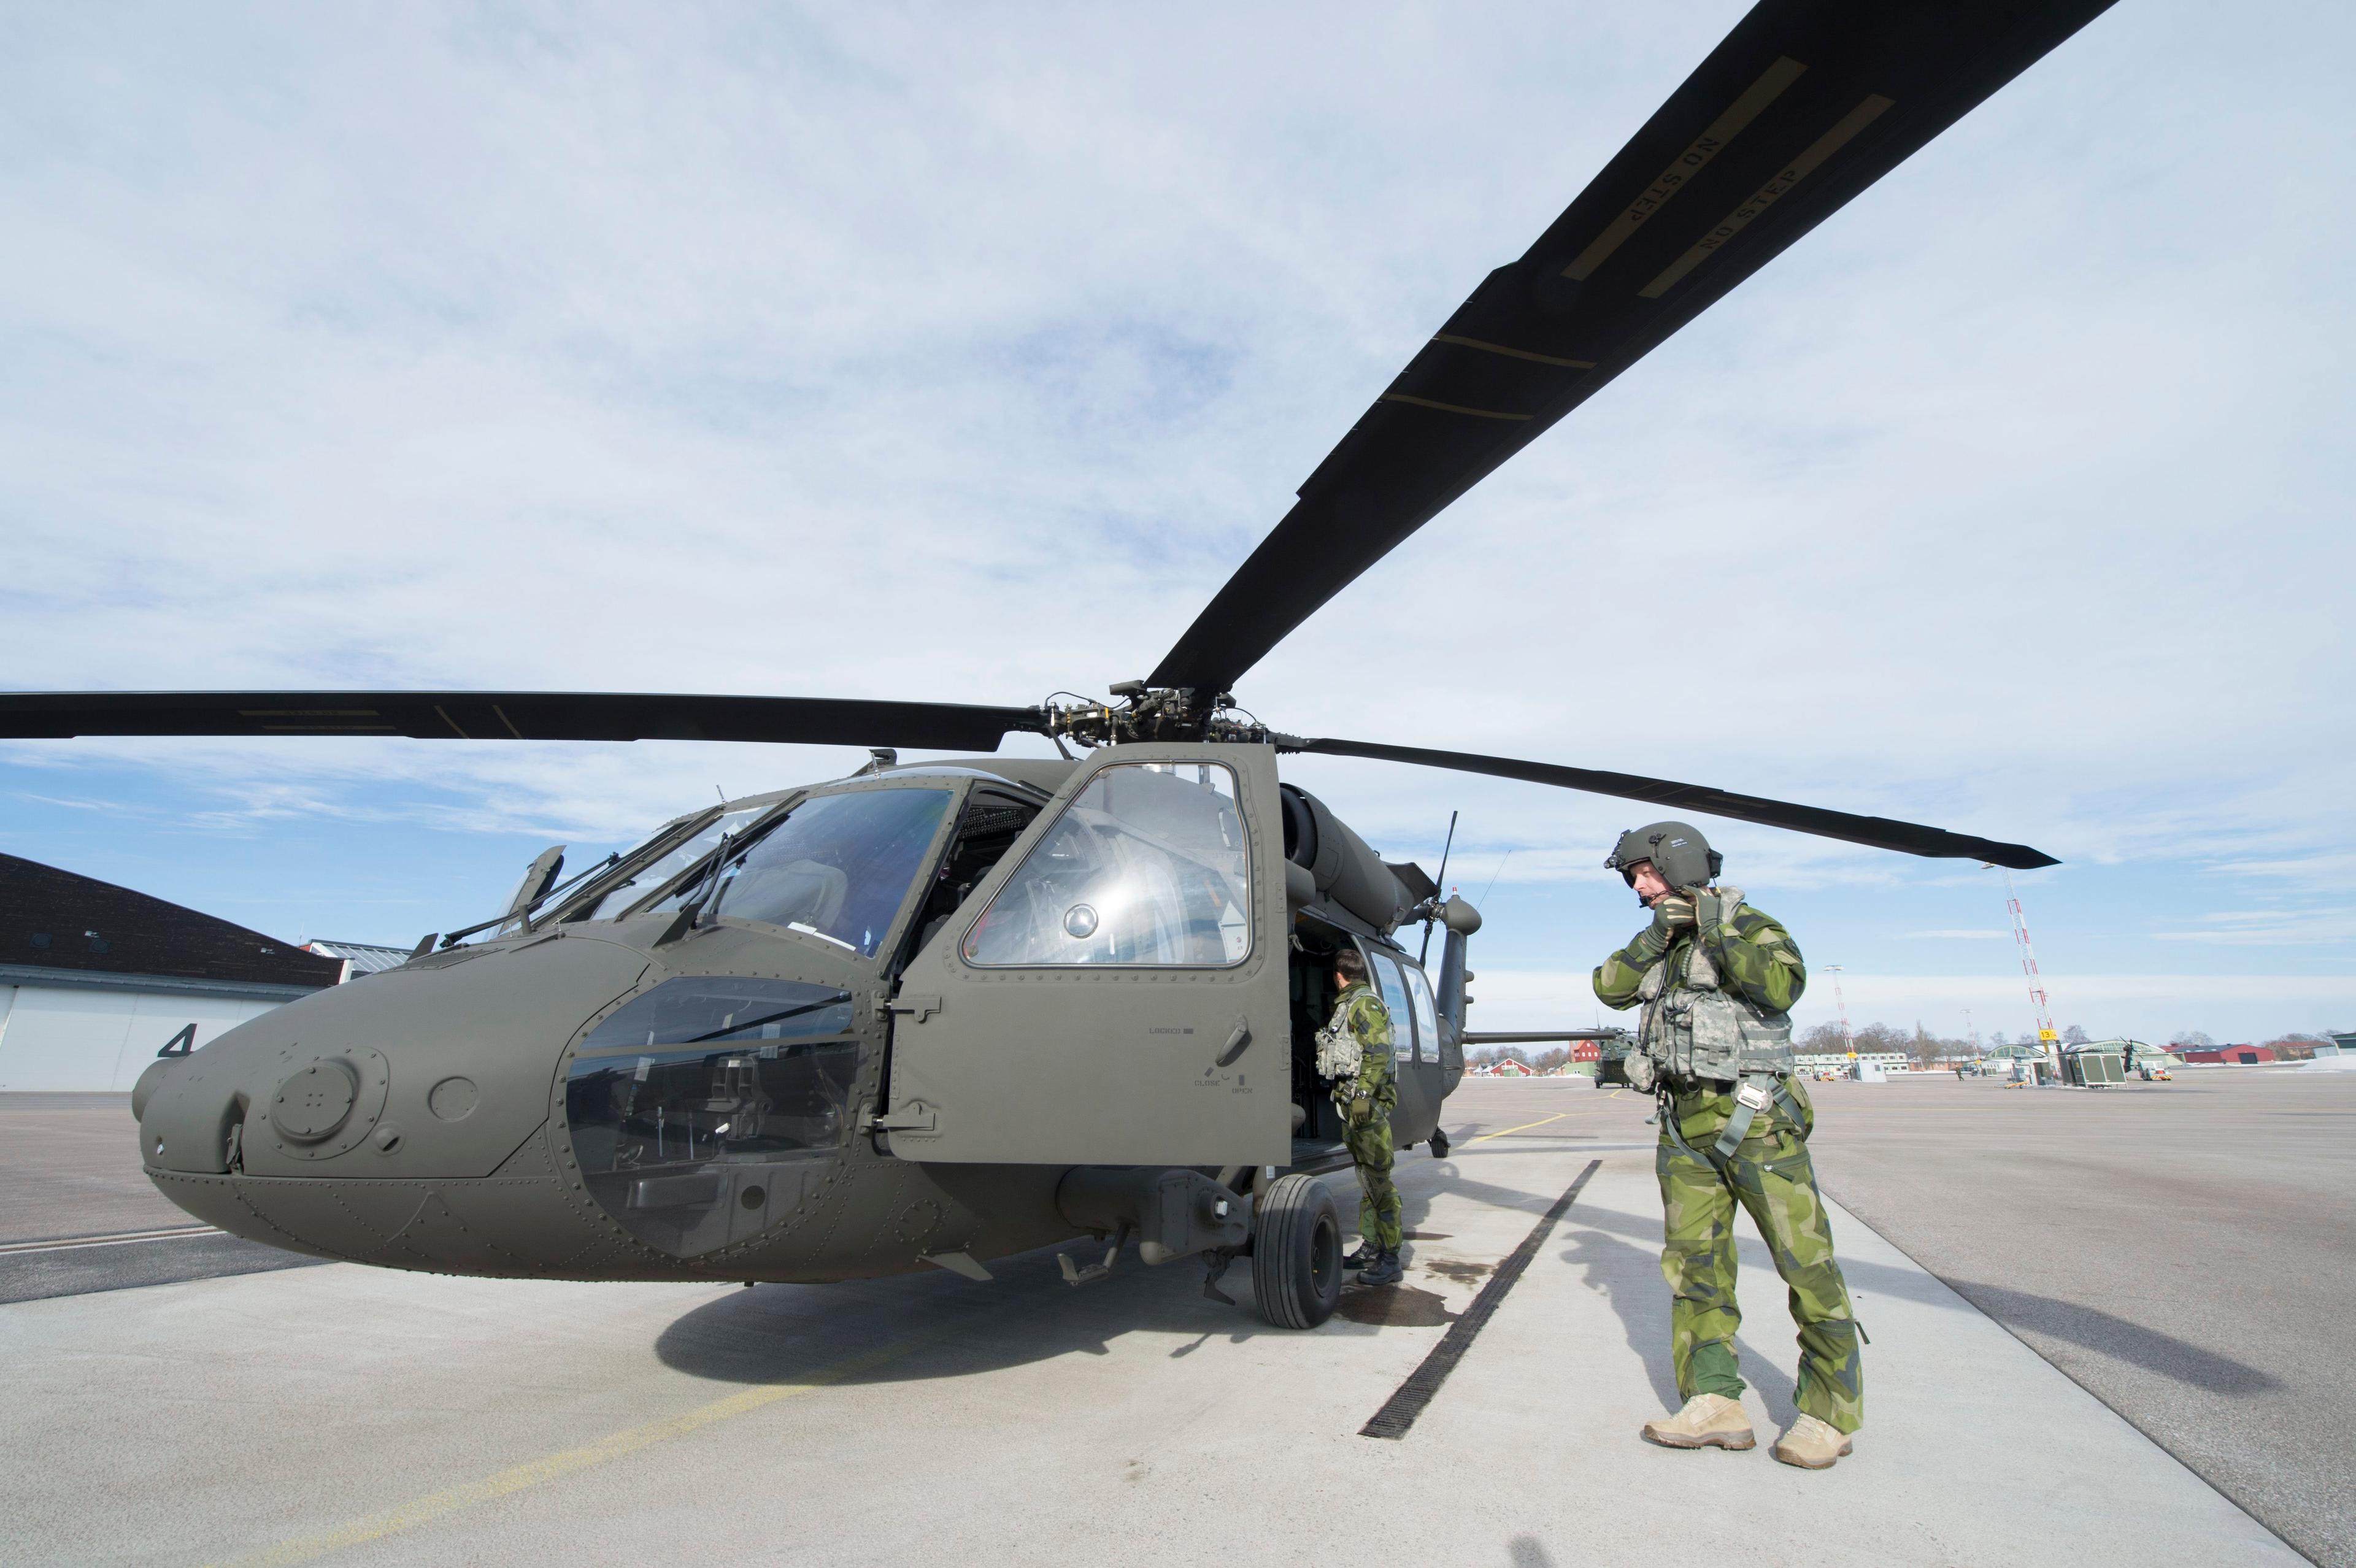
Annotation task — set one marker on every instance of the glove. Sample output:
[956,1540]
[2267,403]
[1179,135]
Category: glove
[1361,1108]
[1671,915]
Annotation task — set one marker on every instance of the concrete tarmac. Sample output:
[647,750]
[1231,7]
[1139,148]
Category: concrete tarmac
[2183,1251]
[70,1164]
[364,1416]
[2186,1251]
[82,1217]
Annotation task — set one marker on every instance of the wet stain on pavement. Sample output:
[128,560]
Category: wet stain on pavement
[1463,1271]
[1395,1306]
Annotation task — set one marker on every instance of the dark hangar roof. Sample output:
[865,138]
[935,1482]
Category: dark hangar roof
[53,919]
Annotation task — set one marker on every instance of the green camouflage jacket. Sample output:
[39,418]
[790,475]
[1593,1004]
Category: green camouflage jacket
[1756,959]
[1371,1023]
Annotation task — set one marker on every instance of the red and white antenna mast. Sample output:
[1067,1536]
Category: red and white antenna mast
[2037,1004]
[1848,1043]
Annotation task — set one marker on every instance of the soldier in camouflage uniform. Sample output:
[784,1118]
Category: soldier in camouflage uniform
[1716,980]
[1355,1051]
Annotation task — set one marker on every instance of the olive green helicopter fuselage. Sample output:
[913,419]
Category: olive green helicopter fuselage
[819,1035]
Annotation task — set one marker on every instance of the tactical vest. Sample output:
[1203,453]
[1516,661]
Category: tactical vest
[1694,1030]
[1340,1051]
[1339,1054]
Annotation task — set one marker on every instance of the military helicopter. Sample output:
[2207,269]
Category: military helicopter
[937,1013]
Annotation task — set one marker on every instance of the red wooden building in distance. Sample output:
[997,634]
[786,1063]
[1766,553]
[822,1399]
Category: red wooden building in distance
[2232,1055]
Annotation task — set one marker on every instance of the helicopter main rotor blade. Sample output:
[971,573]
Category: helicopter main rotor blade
[1879,832]
[1802,106]
[513,716]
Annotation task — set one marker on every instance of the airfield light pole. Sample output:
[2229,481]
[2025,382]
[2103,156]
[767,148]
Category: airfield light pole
[2046,1038]
[1841,1004]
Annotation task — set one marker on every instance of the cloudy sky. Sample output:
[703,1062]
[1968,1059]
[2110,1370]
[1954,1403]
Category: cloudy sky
[962,352]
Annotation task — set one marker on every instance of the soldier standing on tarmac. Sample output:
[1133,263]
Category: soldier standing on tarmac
[1716,979]
[1354,1050]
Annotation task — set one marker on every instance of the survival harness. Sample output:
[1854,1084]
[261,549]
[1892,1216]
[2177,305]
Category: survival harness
[1751,1096]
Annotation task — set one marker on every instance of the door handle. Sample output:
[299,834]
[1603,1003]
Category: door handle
[1238,1043]
[916,1006]
[914,1117]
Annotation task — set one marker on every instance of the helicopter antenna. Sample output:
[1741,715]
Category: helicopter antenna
[1443,881]
[1493,879]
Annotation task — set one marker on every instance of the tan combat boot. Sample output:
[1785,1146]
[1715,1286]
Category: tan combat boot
[1708,1421]
[1812,1445]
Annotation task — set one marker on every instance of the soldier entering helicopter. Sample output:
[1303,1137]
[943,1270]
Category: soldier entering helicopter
[1716,980]
[1354,1050]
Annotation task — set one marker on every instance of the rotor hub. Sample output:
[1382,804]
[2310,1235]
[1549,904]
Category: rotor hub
[1139,712]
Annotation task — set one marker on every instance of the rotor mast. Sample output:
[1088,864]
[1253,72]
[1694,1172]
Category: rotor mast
[1140,712]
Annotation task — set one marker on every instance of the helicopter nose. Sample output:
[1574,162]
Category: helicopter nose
[440,1069]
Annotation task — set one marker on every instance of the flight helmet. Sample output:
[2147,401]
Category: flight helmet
[1676,850]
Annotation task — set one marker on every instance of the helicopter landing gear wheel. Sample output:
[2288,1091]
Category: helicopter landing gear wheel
[1440,1143]
[1297,1252]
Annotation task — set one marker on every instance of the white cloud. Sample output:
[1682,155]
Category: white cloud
[846,354]
[2270,927]
[2329,872]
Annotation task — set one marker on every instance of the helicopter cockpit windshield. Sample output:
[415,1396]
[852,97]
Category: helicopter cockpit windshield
[609,898]
[837,867]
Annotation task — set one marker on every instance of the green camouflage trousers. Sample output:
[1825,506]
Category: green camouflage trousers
[1378,1203]
[1771,1177]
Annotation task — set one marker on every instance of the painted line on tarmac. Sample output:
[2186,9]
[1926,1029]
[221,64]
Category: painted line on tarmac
[1406,1402]
[112,1239]
[439,1505]
[1526,1127]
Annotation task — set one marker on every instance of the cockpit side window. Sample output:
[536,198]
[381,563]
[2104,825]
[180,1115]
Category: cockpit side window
[1148,866]
[1394,990]
[991,824]
[1427,1018]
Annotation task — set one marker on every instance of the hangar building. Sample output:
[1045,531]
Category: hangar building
[96,979]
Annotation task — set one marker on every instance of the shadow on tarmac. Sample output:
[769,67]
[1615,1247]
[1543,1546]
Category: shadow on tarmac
[1643,1308]
[1030,1315]
[128,1265]
[2116,1338]
[1629,1279]
[1027,1314]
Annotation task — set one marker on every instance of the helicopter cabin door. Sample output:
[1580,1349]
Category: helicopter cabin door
[1114,991]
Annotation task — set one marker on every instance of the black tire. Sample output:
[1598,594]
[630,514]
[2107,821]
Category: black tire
[1297,1252]
[1440,1143]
